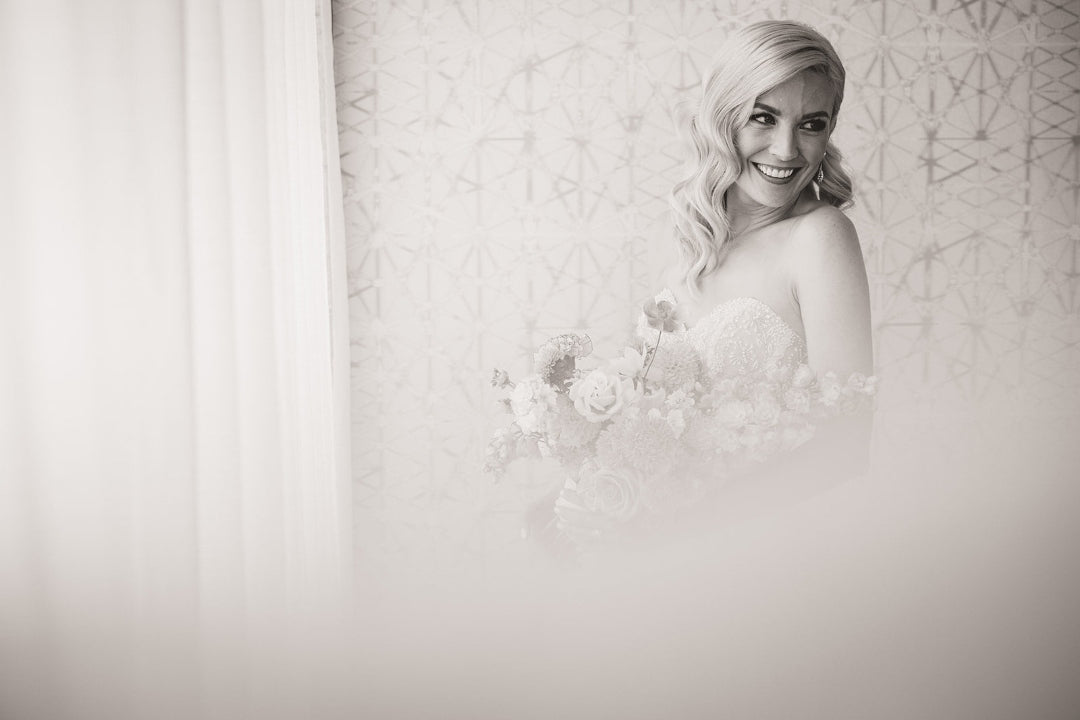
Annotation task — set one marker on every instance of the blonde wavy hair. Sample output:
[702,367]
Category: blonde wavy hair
[753,61]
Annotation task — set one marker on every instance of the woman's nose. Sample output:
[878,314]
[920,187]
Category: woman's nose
[783,145]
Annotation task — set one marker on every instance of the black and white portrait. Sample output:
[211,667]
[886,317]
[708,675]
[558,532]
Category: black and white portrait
[540,359]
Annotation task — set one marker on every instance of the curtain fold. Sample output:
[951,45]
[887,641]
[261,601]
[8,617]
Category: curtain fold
[174,415]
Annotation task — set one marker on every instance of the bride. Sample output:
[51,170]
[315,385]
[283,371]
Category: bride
[771,277]
[772,270]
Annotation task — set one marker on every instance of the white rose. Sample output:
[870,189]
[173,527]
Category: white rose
[601,394]
[611,494]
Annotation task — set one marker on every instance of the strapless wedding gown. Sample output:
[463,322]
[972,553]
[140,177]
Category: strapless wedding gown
[752,400]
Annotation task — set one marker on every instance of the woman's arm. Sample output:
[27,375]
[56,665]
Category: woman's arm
[832,293]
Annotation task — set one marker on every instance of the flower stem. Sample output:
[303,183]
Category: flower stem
[652,357]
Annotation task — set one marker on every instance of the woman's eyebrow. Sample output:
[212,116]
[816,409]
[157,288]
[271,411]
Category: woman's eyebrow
[773,111]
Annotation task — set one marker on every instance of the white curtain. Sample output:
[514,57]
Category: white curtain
[174,364]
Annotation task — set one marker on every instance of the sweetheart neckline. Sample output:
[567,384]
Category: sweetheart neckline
[712,313]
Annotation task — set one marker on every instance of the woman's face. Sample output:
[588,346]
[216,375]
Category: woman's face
[784,142]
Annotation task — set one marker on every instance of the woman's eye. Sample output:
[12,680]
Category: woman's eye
[814,125]
[762,118]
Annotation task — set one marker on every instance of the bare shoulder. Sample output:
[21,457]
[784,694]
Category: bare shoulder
[825,228]
[825,239]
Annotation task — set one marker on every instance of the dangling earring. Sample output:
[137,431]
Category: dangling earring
[820,173]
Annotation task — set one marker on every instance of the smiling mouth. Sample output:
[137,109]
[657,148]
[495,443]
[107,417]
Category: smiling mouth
[775,173]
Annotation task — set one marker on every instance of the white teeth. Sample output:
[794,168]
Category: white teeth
[775,172]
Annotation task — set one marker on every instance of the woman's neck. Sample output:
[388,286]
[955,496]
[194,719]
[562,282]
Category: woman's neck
[746,218]
[746,215]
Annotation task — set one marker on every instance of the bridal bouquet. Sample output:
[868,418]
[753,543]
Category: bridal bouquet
[646,432]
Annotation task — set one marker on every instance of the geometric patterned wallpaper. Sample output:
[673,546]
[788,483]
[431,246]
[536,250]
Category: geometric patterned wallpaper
[506,167]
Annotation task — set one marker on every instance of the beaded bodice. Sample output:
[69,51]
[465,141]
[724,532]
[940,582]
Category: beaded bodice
[743,338]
